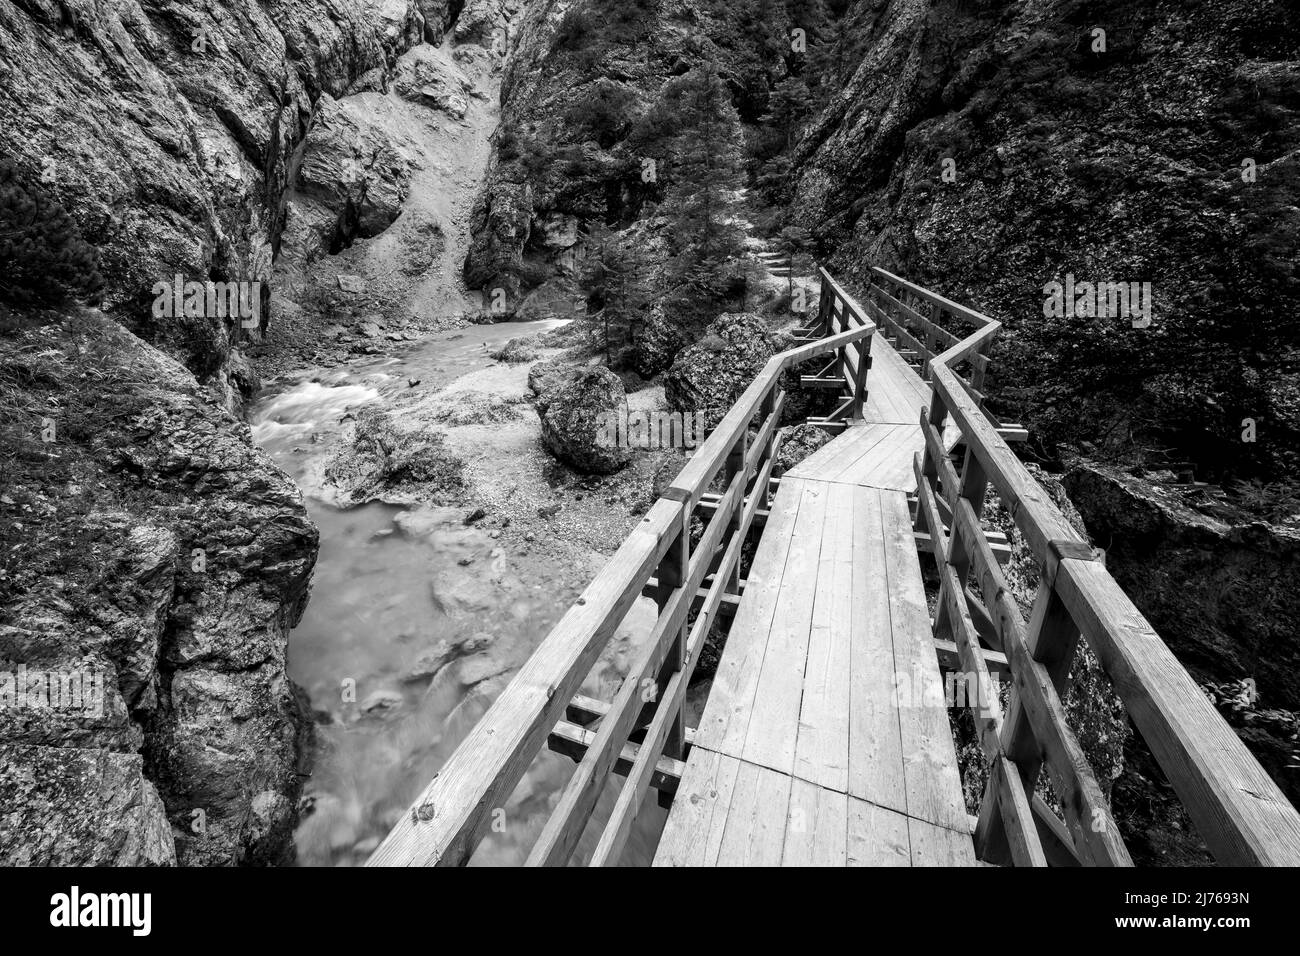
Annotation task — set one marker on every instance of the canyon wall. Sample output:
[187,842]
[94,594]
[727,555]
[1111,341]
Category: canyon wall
[984,149]
[145,544]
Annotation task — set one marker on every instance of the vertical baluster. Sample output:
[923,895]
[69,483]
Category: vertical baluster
[672,574]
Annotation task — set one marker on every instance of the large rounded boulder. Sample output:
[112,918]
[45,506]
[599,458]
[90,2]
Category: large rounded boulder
[710,375]
[577,421]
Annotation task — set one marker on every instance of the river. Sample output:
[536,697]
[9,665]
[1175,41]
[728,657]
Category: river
[384,596]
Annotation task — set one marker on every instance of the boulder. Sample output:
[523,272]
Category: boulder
[545,378]
[425,75]
[395,458]
[573,416]
[1223,590]
[658,342]
[710,375]
[517,351]
[355,168]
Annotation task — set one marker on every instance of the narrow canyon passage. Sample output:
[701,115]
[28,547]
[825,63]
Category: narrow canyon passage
[420,613]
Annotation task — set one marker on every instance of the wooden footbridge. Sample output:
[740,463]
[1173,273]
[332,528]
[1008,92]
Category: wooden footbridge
[825,739]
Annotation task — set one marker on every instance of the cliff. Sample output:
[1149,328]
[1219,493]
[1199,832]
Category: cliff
[152,560]
[1118,142]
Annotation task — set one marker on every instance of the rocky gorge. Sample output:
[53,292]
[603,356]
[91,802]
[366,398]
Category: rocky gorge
[146,540]
[391,171]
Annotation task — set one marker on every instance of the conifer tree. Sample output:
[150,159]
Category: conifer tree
[611,277]
[43,258]
[703,202]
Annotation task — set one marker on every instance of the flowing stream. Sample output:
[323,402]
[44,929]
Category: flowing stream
[387,600]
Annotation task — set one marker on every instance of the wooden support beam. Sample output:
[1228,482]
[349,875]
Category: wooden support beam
[817,381]
[950,657]
[572,740]
[1001,550]
[834,427]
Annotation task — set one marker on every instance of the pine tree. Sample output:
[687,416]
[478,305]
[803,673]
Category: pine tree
[43,258]
[703,203]
[788,107]
[611,277]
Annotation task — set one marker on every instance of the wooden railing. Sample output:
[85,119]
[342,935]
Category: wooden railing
[924,324]
[1239,811]
[690,584]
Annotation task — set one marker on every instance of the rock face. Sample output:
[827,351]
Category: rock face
[168,131]
[1223,594]
[352,180]
[156,556]
[709,376]
[552,171]
[80,808]
[572,418]
[1066,150]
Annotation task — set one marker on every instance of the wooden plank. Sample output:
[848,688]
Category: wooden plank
[670,708]
[853,443]
[560,835]
[877,836]
[822,749]
[932,783]
[692,835]
[950,660]
[755,832]
[609,848]
[725,721]
[939,846]
[918,320]
[1017,818]
[1095,834]
[447,820]
[816,832]
[875,739]
[1034,512]
[774,729]
[893,458]
[978,319]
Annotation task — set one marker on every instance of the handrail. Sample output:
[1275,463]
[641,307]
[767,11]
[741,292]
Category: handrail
[447,821]
[1239,811]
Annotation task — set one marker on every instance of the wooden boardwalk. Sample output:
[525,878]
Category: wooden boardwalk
[803,754]
[825,738]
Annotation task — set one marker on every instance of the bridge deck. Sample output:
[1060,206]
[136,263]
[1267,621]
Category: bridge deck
[804,754]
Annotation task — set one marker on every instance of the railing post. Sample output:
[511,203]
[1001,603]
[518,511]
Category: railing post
[860,378]
[672,575]
[824,307]
[1052,640]
[929,467]
[735,464]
